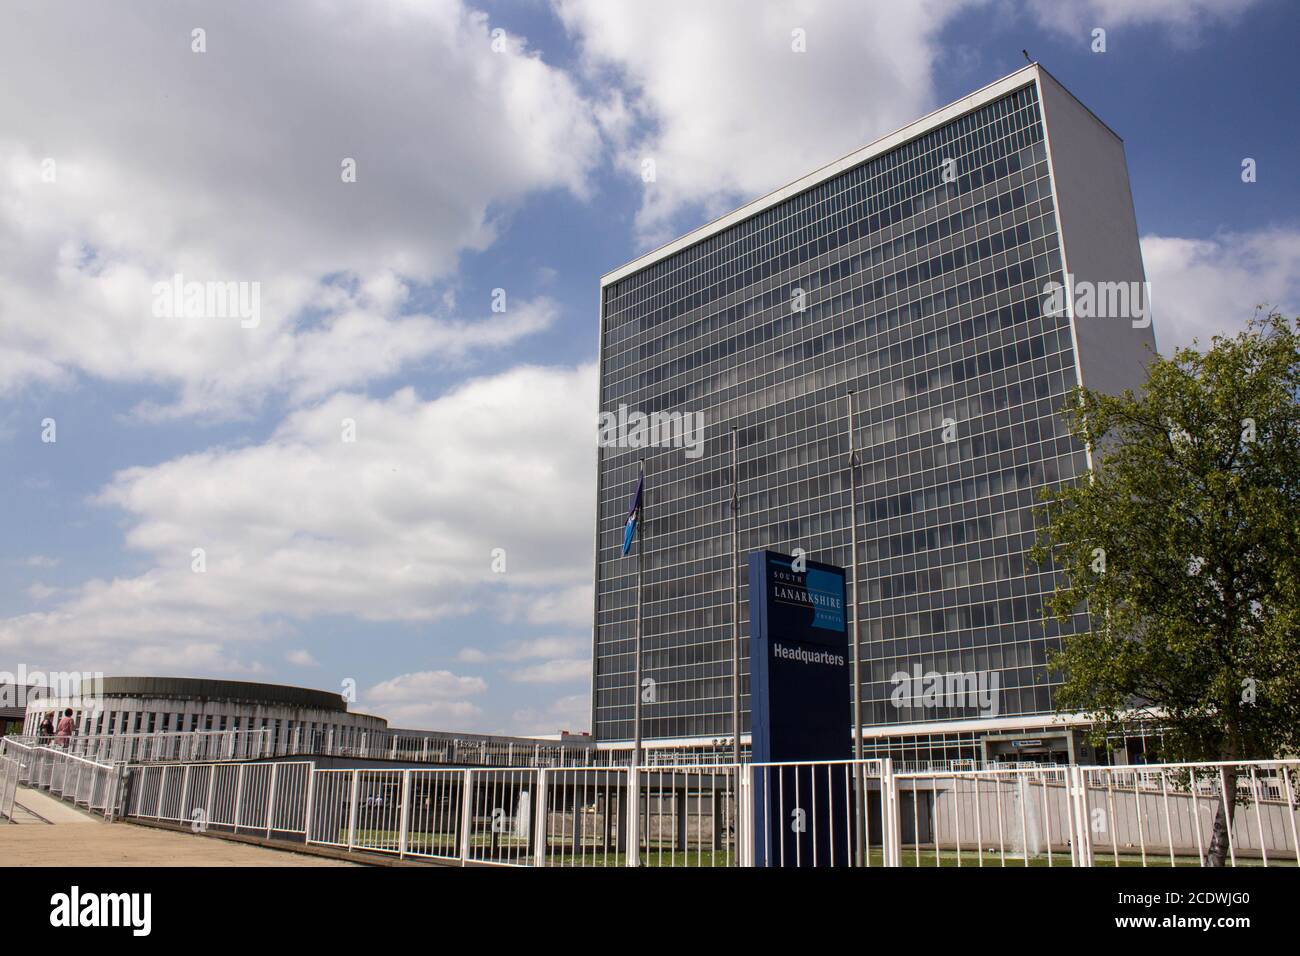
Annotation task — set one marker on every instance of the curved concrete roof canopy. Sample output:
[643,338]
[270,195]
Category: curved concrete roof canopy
[204,688]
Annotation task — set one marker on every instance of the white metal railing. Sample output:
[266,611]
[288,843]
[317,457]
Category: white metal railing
[262,743]
[268,798]
[79,781]
[1167,814]
[194,746]
[826,813]
[440,749]
[949,766]
[987,816]
[1147,815]
[8,785]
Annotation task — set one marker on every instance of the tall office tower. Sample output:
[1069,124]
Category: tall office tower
[916,271]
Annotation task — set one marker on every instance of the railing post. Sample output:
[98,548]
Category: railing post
[632,852]
[117,800]
[352,810]
[239,795]
[308,808]
[890,833]
[466,816]
[744,821]
[539,820]
[1072,791]
[270,800]
[207,807]
[1081,848]
[183,811]
[162,788]
[405,814]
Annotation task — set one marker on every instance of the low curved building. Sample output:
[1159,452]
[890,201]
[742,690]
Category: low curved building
[292,719]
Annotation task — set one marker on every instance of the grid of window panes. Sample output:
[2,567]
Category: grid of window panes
[916,278]
[1133,743]
[927,748]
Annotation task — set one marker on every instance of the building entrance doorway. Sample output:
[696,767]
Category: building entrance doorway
[1050,747]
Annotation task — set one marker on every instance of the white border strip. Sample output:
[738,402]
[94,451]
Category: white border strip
[1028,722]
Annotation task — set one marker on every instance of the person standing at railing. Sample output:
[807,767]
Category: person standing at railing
[46,730]
[65,729]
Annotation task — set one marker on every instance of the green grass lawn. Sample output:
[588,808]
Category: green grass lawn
[1099,859]
[694,858]
[946,858]
[418,841]
[561,853]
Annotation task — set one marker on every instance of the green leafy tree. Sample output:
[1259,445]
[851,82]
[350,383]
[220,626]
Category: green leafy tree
[1184,544]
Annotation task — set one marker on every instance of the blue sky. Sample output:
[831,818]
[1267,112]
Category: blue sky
[327,560]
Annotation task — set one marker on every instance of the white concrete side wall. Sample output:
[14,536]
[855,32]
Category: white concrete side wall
[1099,230]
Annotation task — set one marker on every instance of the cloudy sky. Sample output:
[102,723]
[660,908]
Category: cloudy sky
[425,193]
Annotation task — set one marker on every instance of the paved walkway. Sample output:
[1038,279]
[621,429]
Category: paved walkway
[123,844]
[23,815]
[50,809]
[77,839]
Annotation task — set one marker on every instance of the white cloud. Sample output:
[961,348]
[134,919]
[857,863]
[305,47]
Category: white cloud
[714,94]
[1203,287]
[39,592]
[425,699]
[571,713]
[524,650]
[1185,20]
[398,526]
[42,561]
[560,660]
[225,166]
[559,606]
[302,658]
[563,671]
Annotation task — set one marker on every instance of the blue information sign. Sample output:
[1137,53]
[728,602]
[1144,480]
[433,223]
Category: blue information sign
[800,710]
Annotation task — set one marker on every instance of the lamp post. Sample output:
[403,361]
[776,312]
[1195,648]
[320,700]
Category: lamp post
[735,606]
[856,636]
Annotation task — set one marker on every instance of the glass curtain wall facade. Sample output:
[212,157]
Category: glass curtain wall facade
[915,278]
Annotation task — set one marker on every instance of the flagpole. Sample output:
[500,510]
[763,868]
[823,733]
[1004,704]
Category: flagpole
[640,566]
[735,609]
[856,635]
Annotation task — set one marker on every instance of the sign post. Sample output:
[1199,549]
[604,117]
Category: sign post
[800,712]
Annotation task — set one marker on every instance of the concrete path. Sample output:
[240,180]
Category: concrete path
[123,844]
[49,832]
[51,809]
[24,816]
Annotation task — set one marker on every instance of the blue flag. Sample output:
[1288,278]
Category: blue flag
[633,516]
